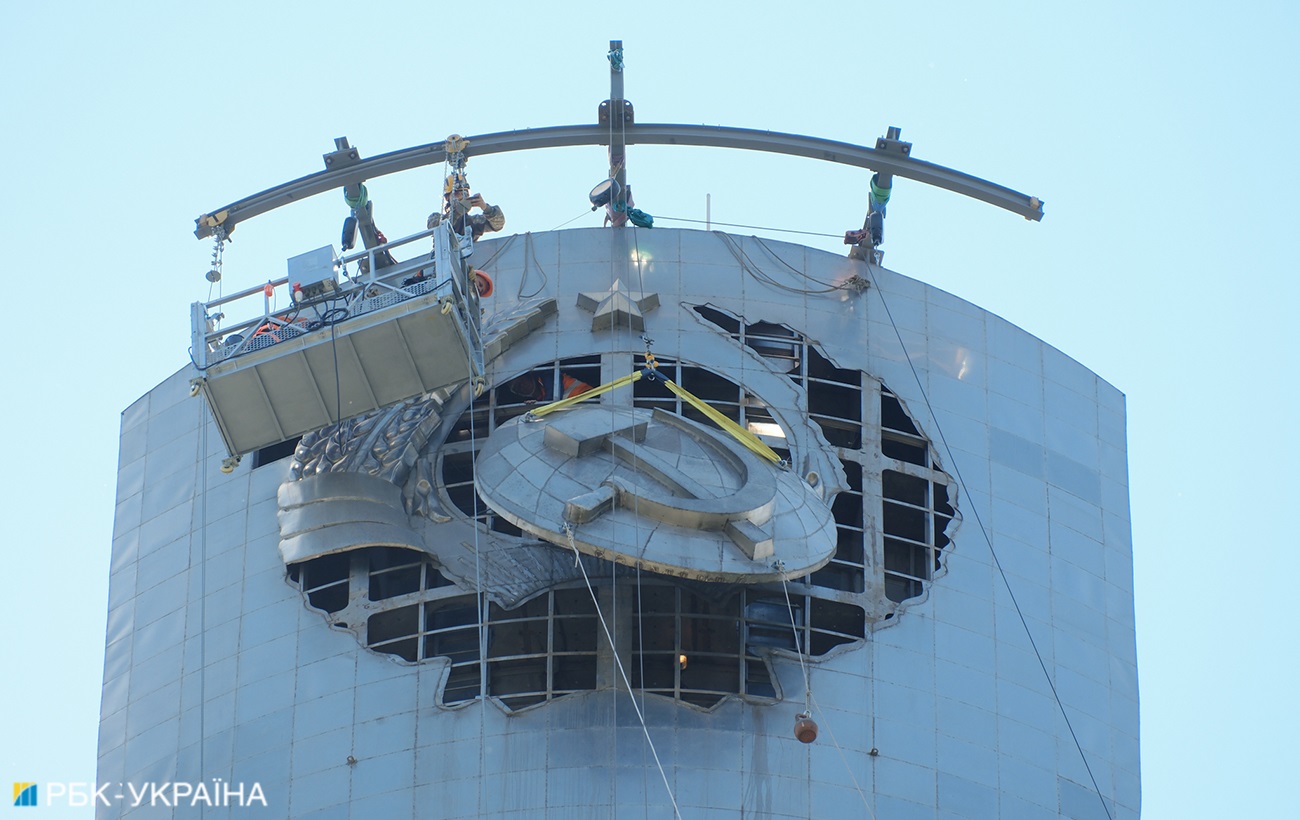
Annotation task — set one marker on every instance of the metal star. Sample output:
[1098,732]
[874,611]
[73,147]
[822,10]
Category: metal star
[617,307]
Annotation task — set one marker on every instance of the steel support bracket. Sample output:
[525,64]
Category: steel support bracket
[343,155]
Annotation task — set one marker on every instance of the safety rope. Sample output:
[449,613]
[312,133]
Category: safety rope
[798,648]
[530,253]
[798,643]
[636,509]
[750,227]
[618,265]
[479,599]
[988,540]
[817,708]
[480,605]
[750,267]
[203,577]
[577,559]
[575,219]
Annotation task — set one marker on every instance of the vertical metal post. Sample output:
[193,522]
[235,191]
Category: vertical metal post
[617,136]
[199,333]
[886,179]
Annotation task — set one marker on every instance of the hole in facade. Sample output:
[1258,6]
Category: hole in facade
[675,638]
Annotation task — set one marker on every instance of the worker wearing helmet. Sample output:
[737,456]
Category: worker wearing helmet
[457,203]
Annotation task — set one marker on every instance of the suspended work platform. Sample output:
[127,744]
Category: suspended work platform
[344,346]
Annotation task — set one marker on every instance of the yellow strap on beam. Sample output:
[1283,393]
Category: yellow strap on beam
[590,394]
[751,441]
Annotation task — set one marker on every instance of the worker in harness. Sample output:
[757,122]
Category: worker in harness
[532,388]
[457,202]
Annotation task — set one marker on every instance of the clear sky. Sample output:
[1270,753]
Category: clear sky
[1161,135]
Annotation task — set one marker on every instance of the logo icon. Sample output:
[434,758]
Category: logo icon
[24,794]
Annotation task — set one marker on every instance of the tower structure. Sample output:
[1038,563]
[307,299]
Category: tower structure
[815,540]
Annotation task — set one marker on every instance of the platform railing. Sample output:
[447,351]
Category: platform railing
[370,288]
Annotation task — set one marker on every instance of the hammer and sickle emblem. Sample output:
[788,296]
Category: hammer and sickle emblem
[672,496]
[655,490]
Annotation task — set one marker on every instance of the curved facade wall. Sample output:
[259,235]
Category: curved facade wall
[219,664]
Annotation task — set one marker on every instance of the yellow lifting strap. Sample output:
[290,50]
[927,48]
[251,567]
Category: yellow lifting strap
[751,441]
[590,394]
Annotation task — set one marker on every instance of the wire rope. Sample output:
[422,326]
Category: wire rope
[798,644]
[574,219]
[203,581]
[338,384]
[480,604]
[989,542]
[748,227]
[636,511]
[530,252]
[750,267]
[613,646]
[818,708]
[828,287]
[478,593]
[577,557]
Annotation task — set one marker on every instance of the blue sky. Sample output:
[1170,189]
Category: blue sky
[1161,137]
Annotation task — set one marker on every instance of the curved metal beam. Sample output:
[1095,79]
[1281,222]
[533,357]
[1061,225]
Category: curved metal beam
[894,161]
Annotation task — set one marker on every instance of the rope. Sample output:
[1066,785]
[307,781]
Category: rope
[478,588]
[750,227]
[510,240]
[636,510]
[798,644]
[478,592]
[748,266]
[338,383]
[989,541]
[825,722]
[203,579]
[793,269]
[567,221]
[614,729]
[809,701]
[577,557]
[530,252]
